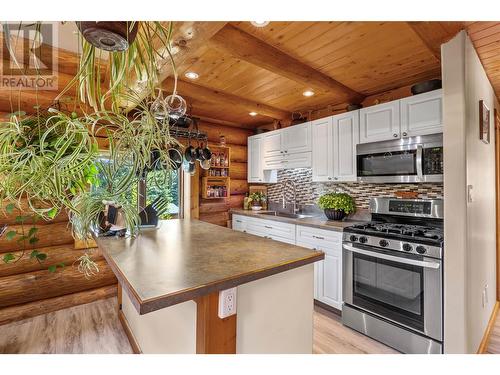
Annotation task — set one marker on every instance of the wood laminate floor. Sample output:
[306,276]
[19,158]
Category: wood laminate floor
[93,328]
[494,343]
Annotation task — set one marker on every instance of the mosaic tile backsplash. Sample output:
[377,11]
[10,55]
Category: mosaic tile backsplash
[309,191]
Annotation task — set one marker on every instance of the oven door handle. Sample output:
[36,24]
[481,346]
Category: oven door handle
[413,262]
[419,162]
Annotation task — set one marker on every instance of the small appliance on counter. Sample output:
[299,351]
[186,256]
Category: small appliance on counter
[393,274]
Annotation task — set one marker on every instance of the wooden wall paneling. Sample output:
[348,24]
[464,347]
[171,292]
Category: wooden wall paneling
[239,187]
[39,285]
[238,171]
[195,193]
[234,136]
[218,218]
[22,209]
[55,255]
[31,309]
[48,234]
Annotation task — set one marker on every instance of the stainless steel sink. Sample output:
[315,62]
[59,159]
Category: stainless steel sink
[286,214]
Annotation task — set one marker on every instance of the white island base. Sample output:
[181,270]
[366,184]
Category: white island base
[274,315]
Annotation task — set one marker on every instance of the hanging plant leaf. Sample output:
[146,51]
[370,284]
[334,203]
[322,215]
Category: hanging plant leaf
[33,240]
[8,258]
[52,213]
[10,208]
[10,235]
[32,231]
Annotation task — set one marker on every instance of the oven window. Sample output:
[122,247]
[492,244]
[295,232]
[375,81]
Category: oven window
[398,163]
[392,290]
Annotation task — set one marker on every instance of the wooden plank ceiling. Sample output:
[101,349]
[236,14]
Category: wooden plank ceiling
[243,68]
[486,39]
[342,62]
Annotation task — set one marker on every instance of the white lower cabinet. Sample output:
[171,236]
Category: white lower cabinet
[327,273]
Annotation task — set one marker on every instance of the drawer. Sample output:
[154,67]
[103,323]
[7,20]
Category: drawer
[319,237]
[272,228]
[239,223]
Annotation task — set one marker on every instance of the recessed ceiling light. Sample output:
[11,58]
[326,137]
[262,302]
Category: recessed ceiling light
[253,113]
[191,75]
[308,93]
[260,23]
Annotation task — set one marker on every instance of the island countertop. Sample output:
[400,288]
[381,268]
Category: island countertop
[186,259]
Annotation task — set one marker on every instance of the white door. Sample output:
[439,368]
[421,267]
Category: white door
[379,122]
[272,144]
[345,139]
[322,150]
[296,138]
[422,114]
[255,173]
[330,278]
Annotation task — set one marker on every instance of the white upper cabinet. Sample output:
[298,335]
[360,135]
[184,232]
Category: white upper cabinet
[422,114]
[334,148]
[296,139]
[322,150]
[379,122]
[272,143]
[256,172]
[345,138]
[255,169]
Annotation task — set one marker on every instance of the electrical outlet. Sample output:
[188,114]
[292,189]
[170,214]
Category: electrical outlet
[227,303]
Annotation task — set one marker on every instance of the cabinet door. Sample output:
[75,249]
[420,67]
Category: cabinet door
[274,162]
[239,223]
[330,279]
[322,150]
[317,279]
[298,160]
[380,122]
[255,172]
[345,139]
[422,114]
[296,138]
[272,144]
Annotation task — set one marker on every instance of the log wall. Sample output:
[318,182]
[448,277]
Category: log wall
[28,289]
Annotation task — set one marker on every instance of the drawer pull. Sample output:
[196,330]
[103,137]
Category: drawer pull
[238,221]
[318,237]
[268,227]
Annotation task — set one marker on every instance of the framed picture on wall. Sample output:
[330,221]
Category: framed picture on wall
[484,122]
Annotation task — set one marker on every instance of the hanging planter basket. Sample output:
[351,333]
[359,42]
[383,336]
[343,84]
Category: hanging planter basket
[109,35]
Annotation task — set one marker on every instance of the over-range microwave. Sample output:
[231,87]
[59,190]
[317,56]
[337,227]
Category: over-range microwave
[406,160]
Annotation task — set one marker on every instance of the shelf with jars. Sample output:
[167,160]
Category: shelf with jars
[216,182]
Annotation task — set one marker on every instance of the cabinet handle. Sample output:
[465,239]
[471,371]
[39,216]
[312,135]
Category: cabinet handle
[281,152]
[238,221]
[318,237]
[286,151]
[244,231]
[335,178]
[329,178]
[268,227]
[405,134]
[395,135]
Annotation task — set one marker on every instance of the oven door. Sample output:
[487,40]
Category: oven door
[405,289]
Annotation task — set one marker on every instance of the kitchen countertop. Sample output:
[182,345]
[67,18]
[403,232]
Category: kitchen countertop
[315,222]
[186,259]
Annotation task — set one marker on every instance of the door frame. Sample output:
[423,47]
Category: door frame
[497,191]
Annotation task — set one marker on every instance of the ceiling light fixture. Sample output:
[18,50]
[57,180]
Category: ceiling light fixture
[260,23]
[192,75]
[308,93]
[253,113]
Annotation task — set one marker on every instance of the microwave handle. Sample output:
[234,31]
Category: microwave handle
[419,161]
[413,262]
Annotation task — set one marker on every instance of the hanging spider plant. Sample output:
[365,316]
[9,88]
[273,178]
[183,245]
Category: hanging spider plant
[138,66]
[47,158]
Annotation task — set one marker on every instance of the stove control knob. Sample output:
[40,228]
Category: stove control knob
[353,238]
[383,243]
[407,247]
[421,249]
[363,239]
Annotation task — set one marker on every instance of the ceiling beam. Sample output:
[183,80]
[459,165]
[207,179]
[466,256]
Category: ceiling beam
[244,46]
[188,37]
[433,34]
[206,94]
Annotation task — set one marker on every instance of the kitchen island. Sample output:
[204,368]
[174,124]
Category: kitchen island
[171,278]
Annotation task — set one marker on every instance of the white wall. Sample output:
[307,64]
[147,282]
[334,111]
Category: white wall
[470,230]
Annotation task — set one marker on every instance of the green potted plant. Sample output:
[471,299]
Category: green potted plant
[336,205]
[256,200]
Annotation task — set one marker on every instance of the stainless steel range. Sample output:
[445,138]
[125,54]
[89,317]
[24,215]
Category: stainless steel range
[393,275]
